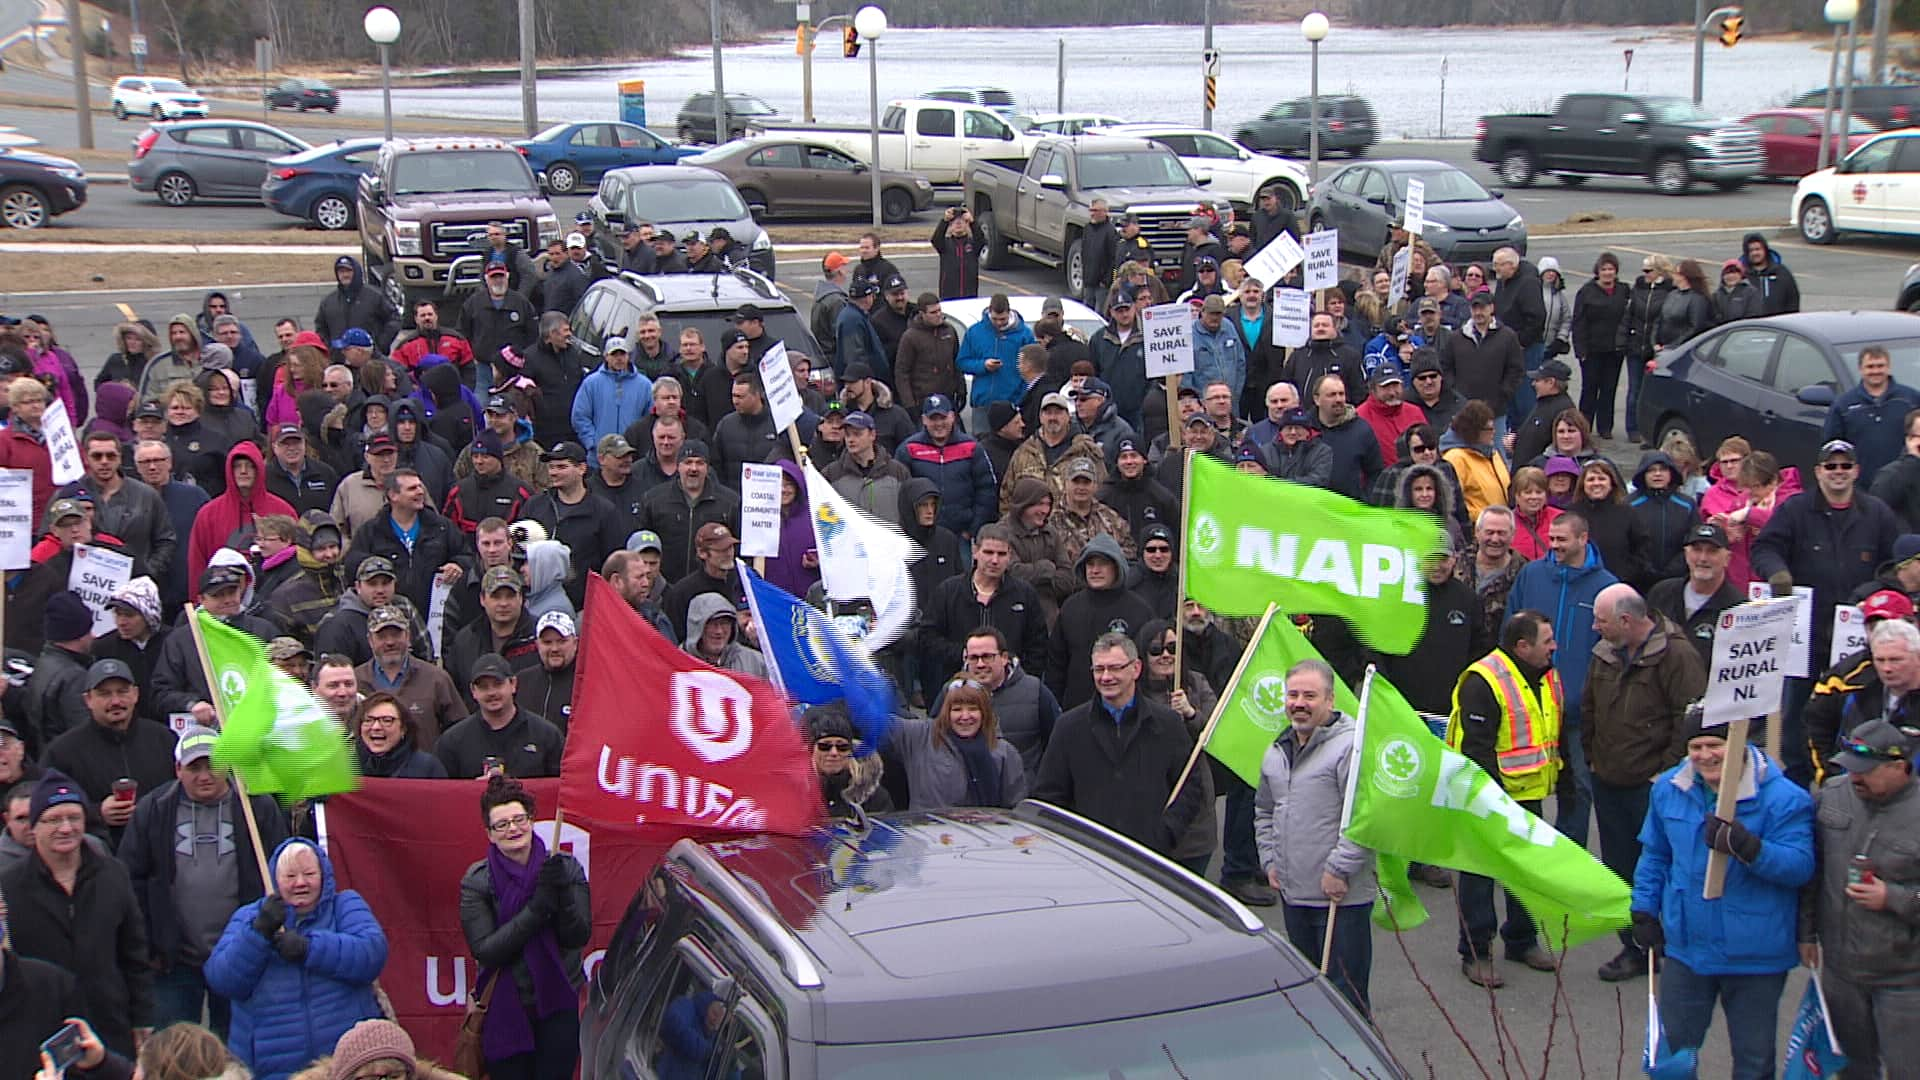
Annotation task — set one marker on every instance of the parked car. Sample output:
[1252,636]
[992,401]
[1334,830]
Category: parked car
[1771,380]
[1464,221]
[1668,140]
[1874,189]
[1227,168]
[962,943]
[320,185]
[1909,298]
[1886,105]
[1791,139]
[695,122]
[798,176]
[939,140]
[162,99]
[1082,321]
[566,156]
[1062,123]
[207,159]
[35,187]
[612,307]
[991,97]
[680,198]
[303,94]
[1347,126]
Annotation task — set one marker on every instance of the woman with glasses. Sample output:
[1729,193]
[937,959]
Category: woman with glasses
[957,757]
[1724,493]
[385,740]
[846,781]
[1572,439]
[1193,703]
[526,916]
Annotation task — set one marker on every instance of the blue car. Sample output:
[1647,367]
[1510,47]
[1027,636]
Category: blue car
[320,185]
[567,155]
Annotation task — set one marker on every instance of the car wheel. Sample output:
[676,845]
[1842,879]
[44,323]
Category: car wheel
[997,252]
[562,179]
[1516,167]
[1570,179]
[175,189]
[332,212]
[896,206]
[1670,176]
[119,110]
[1816,222]
[395,292]
[159,113]
[1289,198]
[23,208]
[1074,267]
[1316,223]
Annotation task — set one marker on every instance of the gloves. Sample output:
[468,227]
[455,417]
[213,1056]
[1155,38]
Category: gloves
[1782,583]
[1730,837]
[556,873]
[271,916]
[1647,932]
[291,945]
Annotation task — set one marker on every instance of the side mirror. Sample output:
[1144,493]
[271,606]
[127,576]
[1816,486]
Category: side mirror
[1633,118]
[757,213]
[1818,395]
[1006,134]
[370,186]
[614,217]
[1202,179]
[859,168]
[1054,182]
[1497,193]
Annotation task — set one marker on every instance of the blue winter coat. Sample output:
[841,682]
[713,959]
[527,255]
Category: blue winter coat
[607,403]
[1218,356]
[1564,594]
[1875,426]
[961,471]
[1751,929]
[982,341]
[285,1015]
[856,341]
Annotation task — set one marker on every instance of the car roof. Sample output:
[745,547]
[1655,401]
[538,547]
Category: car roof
[972,309]
[1103,143]
[1052,117]
[933,925]
[664,173]
[1400,165]
[1844,326]
[674,293]
[1148,128]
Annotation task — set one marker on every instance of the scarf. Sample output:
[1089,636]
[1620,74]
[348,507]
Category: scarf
[983,774]
[509,1030]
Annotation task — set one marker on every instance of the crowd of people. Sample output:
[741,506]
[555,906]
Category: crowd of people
[405,514]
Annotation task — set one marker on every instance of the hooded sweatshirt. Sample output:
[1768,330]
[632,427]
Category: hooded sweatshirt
[125,366]
[942,548]
[449,404]
[703,609]
[1666,515]
[229,512]
[354,305]
[167,368]
[788,569]
[1085,616]
[1780,294]
[113,410]
[547,565]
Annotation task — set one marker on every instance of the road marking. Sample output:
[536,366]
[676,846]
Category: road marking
[126,312]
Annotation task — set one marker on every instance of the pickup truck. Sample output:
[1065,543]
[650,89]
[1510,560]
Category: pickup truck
[425,207]
[1668,140]
[936,139]
[1039,203]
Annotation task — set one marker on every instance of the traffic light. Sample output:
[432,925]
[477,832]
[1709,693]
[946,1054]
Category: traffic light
[850,45]
[800,42]
[1731,28]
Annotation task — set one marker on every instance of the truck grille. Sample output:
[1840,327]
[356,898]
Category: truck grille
[1167,232]
[452,239]
[1734,146]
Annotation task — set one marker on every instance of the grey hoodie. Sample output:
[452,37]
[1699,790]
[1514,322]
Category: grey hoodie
[1084,617]
[548,562]
[1296,818]
[735,657]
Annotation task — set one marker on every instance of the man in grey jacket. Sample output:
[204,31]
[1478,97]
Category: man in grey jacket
[125,508]
[1303,783]
[1860,913]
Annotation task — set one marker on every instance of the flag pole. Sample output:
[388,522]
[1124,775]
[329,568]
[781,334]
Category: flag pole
[1729,799]
[1180,574]
[220,718]
[1346,810]
[1219,705]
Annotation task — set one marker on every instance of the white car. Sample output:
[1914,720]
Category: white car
[1082,321]
[1064,123]
[162,99]
[1234,171]
[1874,189]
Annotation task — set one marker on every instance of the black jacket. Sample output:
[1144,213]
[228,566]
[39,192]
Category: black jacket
[437,544]
[1669,598]
[1619,536]
[491,326]
[559,372]
[1122,775]
[1099,254]
[1085,616]
[357,304]
[1454,637]
[1535,433]
[1834,551]
[477,498]
[591,528]
[35,1000]
[666,511]
[1316,358]
[548,694]
[1779,292]
[94,756]
[959,260]
[1684,313]
[1597,314]
[1519,305]
[312,490]
[1486,368]
[53,696]
[476,640]
[147,851]
[527,746]
[1898,485]
[1639,325]
[956,609]
[1142,501]
[97,933]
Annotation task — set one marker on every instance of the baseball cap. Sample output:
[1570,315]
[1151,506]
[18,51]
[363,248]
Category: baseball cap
[1480,298]
[384,617]
[1127,444]
[749,313]
[1387,372]
[1872,745]
[1735,265]
[61,509]
[196,744]
[583,218]
[1833,447]
[1886,604]
[1296,417]
[833,261]
[1056,398]
[283,432]
[1200,420]
[631,228]
[1906,546]
[713,532]
[693,448]
[374,566]
[490,666]
[936,404]
[860,418]
[102,670]
[1213,305]
[1096,386]
[575,240]
[1052,305]
[497,264]
[862,286]
[218,576]
[149,410]
[501,577]
[1080,467]
[1708,534]
[616,344]
[645,540]
[859,369]
[1427,303]
[613,444]
[354,338]
[286,648]
[558,621]
[1553,369]
[381,443]
[565,451]
[729,337]
[499,403]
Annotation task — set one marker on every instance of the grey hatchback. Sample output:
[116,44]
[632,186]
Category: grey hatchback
[954,945]
[207,159]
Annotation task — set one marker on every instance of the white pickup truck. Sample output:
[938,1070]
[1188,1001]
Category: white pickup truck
[936,139]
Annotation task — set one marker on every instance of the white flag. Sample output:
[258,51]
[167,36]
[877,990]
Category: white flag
[861,558]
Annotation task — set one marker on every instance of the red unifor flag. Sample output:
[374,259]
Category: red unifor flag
[660,738]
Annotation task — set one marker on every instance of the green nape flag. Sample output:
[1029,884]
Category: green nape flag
[1415,798]
[1251,540]
[275,735]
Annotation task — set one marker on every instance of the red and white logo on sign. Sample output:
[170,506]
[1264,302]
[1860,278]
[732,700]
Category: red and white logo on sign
[712,715]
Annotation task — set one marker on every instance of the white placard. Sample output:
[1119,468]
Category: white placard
[1292,317]
[1402,263]
[1323,259]
[760,509]
[1281,255]
[1168,329]
[180,721]
[437,617]
[1800,657]
[96,575]
[1751,647]
[783,397]
[62,446]
[16,519]
[1416,219]
[1849,633]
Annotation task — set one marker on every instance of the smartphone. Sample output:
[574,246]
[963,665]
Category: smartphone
[63,1047]
[491,765]
[125,788]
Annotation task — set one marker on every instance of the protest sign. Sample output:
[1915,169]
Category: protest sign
[1416,219]
[96,575]
[437,618]
[1275,260]
[1751,648]
[1323,259]
[1849,633]
[62,446]
[1800,656]
[759,509]
[1292,317]
[783,397]
[16,519]
[1402,263]
[1169,339]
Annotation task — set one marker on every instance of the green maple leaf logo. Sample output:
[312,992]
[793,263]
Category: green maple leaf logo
[1206,534]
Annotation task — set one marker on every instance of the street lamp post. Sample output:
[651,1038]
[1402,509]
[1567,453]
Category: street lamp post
[1847,79]
[1838,12]
[1314,28]
[383,29]
[870,22]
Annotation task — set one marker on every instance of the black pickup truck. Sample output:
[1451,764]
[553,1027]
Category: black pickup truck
[1668,140]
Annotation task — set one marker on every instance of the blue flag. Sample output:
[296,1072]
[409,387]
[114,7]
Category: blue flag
[1811,1052]
[813,661]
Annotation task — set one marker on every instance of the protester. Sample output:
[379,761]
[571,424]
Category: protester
[500,734]
[849,785]
[386,743]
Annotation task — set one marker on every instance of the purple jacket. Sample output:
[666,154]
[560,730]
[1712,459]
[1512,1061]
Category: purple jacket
[787,569]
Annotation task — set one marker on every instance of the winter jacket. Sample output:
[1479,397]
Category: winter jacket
[27,450]
[1669,599]
[943,554]
[1025,712]
[1564,594]
[415,564]
[982,342]
[1640,325]
[1778,290]
[1140,501]
[1307,364]
[1620,537]
[147,851]
[129,367]
[1683,313]
[1310,461]
[1633,711]
[527,746]
[478,498]
[1015,610]
[229,512]
[1218,356]
[476,639]
[1086,615]
[1753,927]
[1356,453]
[874,487]
[1122,774]
[1873,948]
[1454,637]
[285,1014]
[311,490]
[36,998]
[857,342]
[607,402]
[959,260]
[667,511]
[734,656]
[96,933]
[1743,301]
[1444,499]
[1296,817]
[927,362]
[356,304]
[1597,314]
[559,373]
[1481,471]
[1036,460]
[509,322]
[1124,367]
[1534,436]
[935,773]
[1898,485]
[1874,425]
[1834,551]
[1666,516]
[1389,424]
[414,345]
[829,297]
[1519,304]
[788,570]
[1484,366]
[498,945]
[959,467]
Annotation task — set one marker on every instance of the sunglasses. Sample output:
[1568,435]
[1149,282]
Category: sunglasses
[1891,753]
[834,746]
[1423,448]
[1159,648]
[1837,466]
[1158,549]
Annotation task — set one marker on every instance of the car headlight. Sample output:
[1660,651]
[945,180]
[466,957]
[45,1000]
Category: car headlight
[406,238]
[70,174]
[1433,228]
[1517,223]
[1700,143]
[548,226]
[921,183]
[762,242]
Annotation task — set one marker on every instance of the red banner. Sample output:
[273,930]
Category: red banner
[659,738]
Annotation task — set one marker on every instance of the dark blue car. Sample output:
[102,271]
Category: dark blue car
[1771,380]
[567,155]
[321,184]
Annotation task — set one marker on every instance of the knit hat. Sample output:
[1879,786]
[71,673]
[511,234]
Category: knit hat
[1000,414]
[53,789]
[369,1041]
[828,721]
[140,596]
[66,617]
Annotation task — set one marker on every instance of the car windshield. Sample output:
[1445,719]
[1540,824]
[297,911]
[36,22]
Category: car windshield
[998,99]
[1133,168]
[461,170]
[1858,127]
[698,199]
[1905,353]
[749,106]
[1665,110]
[1267,1035]
[170,86]
[1443,186]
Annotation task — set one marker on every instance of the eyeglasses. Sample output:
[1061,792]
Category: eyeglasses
[1113,669]
[981,657]
[517,821]
[1160,648]
[833,746]
[1158,549]
[1837,466]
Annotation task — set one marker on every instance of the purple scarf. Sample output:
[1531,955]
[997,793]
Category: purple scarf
[509,1031]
